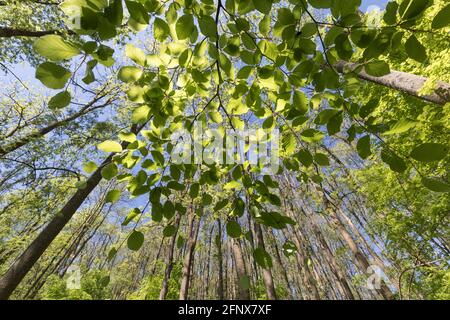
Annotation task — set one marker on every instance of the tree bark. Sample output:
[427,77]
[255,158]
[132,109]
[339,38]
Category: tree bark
[244,293]
[189,256]
[267,273]
[402,81]
[282,266]
[169,262]
[219,260]
[6,32]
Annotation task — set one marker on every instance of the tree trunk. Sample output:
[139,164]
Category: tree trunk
[244,292]
[402,81]
[189,255]
[10,147]
[219,260]
[169,262]
[360,259]
[267,273]
[282,267]
[34,251]
[6,32]
[334,266]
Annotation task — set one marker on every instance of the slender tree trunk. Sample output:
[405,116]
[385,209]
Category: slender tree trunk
[169,262]
[189,255]
[219,260]
[34,251]
[334,266]
[243,292]
[302,260]
[405,82]
[10,147]
[208,264]
[267,273]
[6,32]
[281,264]
[360,258]
[308,278]
[376,259]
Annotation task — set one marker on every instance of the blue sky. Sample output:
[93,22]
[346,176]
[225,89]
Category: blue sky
[366,3]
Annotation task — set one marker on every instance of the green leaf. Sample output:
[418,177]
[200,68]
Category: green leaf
[321,159]
[334,124]
[160,30]
[262,258]
[216,116]
[401,126]
[137,12]
[89,76]
[52,75]
[131,216]
[111,254]
[312,135]
[288,143]
[320,4]
[244,282]
[269,49]
[390,15]
[300,101]
[412,8]
[436,185]
[363,147]
[221,204]
[442,19]
[305,157]
[135,240]
[428,152]
[325,115]
[233,229]
[377,68]
[127,136]
[53,47]
[268,123]
[208,26]
[90,167]
[289,249]
[232,185]
[114,12]
[263,6]
[140,114]
[291,164]
[110,146]
[180,242]
[60,100]
[109,171]
[194,190]
[169,231]
[130,74]
[81,184]
[112,196]
[185,26]
[135,54]
[415,49]
[175,185]
[168,210]
[206,199]
[264,25]
[395,162]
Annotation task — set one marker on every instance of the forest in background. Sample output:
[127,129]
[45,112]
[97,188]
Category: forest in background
[93,207]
